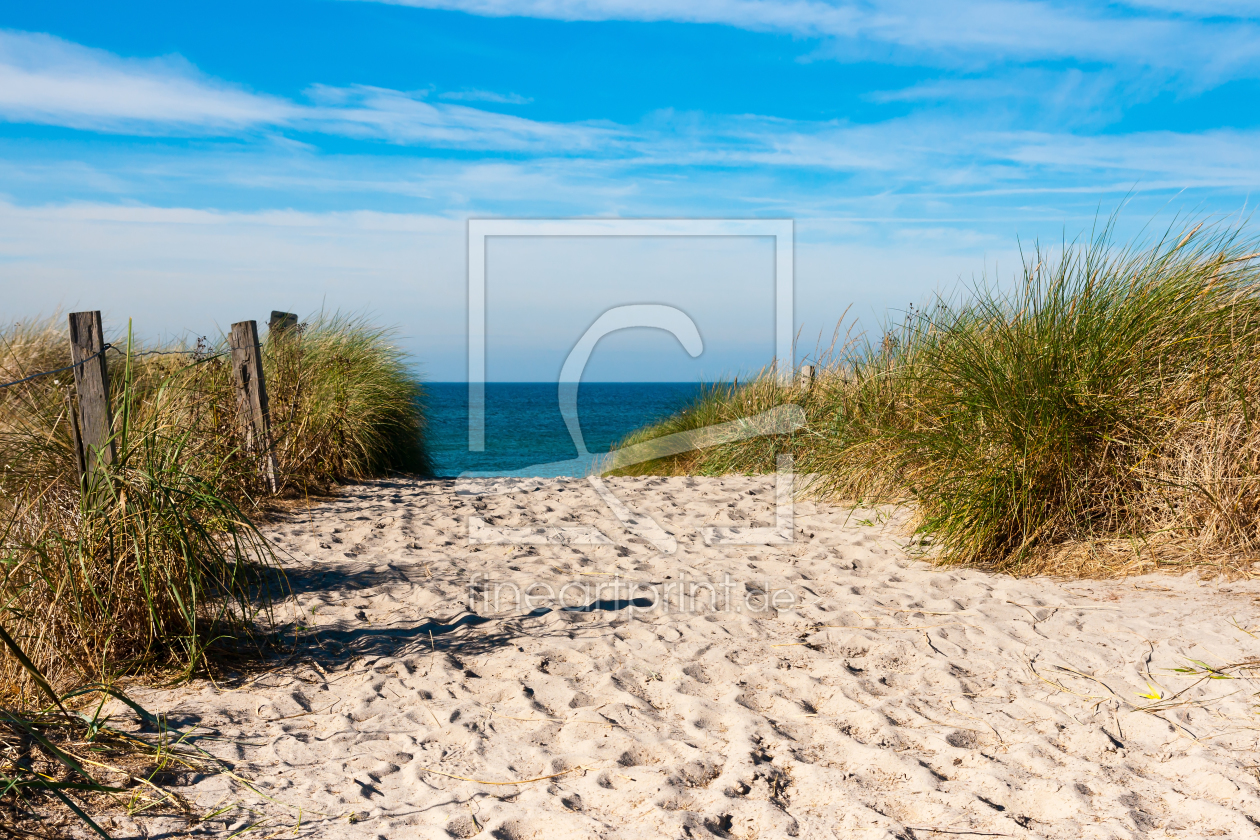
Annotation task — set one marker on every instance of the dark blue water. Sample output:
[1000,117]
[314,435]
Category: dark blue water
[524,430]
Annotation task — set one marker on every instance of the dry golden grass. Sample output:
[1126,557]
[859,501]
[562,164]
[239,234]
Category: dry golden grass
[157,569]
[164,562]
[1100,420]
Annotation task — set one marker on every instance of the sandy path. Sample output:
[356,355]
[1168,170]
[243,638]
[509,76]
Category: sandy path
[884,699]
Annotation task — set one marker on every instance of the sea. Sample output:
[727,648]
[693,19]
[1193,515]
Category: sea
[525,433]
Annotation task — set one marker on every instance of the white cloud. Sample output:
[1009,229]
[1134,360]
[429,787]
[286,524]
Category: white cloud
[954,31]
[1065,97]
[372,112]
[704,165]
[1224,158]
[1244,9]
[485,96]
[47,80]
[587,166]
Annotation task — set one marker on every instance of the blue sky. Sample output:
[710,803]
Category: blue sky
[192,166]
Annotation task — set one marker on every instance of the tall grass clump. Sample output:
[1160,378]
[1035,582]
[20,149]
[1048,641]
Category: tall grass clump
[158,562]
[1099,418]
[345,404]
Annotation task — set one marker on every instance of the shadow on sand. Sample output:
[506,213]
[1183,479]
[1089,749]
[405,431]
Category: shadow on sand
[336,647]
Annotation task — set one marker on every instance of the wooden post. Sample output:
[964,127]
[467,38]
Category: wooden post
[805,377]
[251,396]
[280,322]
[91,381]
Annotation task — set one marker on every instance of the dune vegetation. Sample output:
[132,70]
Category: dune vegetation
[154,566]
[1098,419]
[160,559]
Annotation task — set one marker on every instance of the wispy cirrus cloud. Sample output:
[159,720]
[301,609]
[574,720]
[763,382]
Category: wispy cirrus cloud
[1065,100]
[44,79]
[1174,35]
[1242,9]
[905,169]
[397,116]
[486,96]
[1227,158]
[50,81]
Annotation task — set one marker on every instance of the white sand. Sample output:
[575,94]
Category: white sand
[889,700]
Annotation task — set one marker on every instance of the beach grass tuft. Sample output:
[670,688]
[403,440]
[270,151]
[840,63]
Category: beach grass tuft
[1099,418]
[153,566]
[68,752]
[159,559]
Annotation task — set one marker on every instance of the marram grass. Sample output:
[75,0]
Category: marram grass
[1100,419]
[160,562]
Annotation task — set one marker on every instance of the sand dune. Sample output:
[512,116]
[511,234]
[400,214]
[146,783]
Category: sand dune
[832,687]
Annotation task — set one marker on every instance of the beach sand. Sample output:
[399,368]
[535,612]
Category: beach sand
[831,687]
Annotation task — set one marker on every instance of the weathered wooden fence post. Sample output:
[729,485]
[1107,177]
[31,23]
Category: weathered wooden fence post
[805,377]
[251,396]
[91,382]
[281,321]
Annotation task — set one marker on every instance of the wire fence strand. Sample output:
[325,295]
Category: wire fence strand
[107,347]
[60,369]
